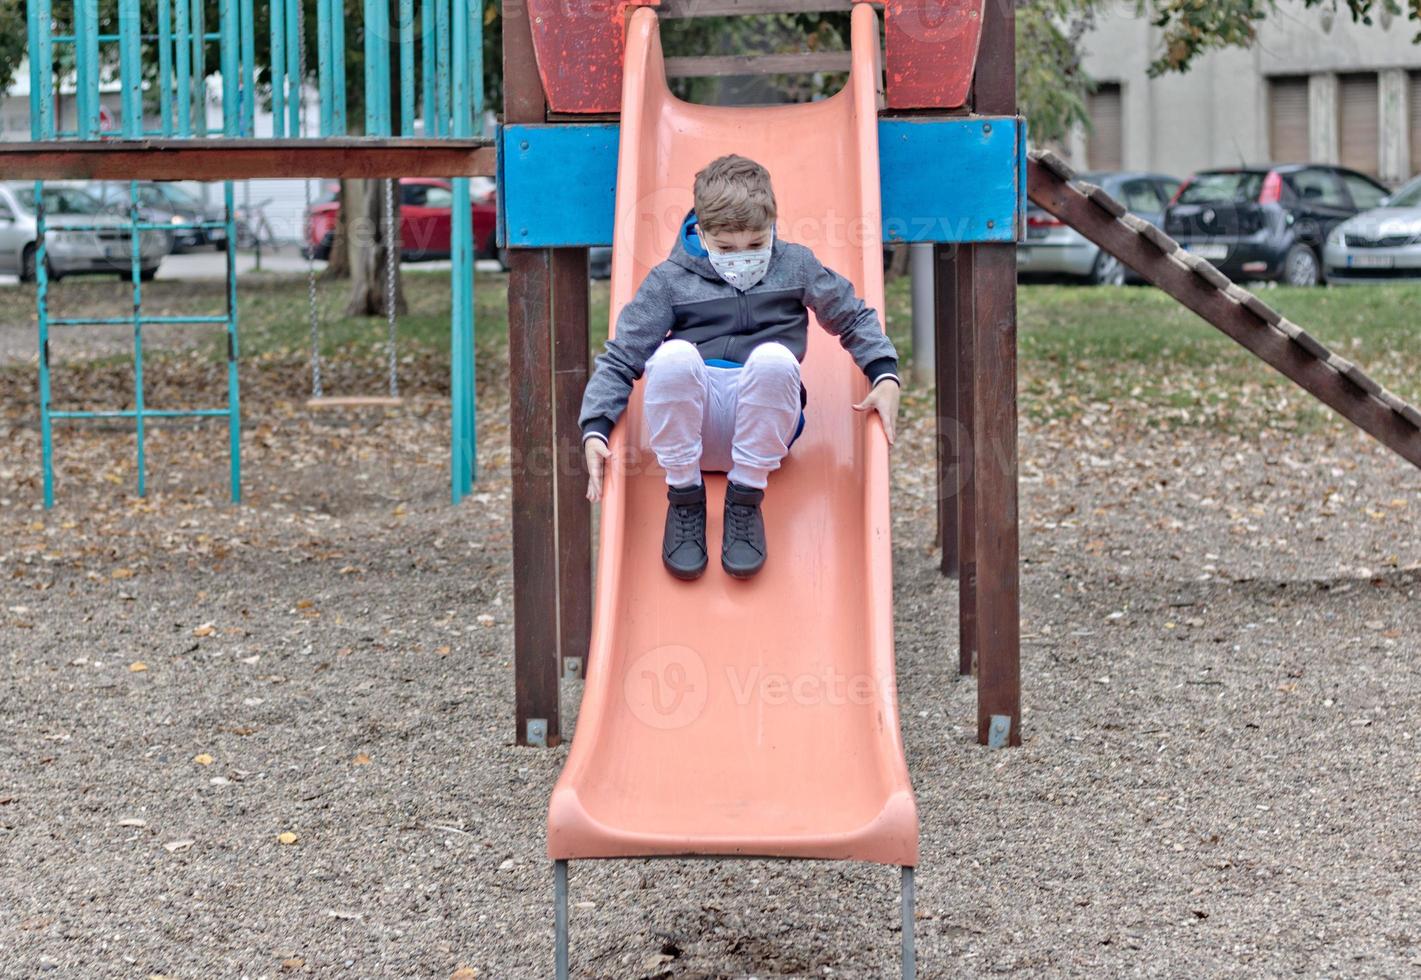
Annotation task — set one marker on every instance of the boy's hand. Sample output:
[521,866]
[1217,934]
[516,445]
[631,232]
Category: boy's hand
[884,398]
[596,453]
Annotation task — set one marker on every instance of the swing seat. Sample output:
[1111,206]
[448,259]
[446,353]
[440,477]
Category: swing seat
[354,401]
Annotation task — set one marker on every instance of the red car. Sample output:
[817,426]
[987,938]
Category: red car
[426,207]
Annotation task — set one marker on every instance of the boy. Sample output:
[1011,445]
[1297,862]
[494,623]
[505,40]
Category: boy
[720,328]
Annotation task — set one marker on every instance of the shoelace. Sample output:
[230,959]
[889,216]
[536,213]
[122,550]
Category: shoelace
[687,519]
[742,519]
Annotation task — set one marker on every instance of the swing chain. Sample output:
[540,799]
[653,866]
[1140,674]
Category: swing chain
[392,264]
[309,223]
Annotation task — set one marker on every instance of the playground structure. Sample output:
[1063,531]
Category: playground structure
[426,72]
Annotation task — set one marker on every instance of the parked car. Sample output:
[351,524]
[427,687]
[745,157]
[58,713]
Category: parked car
[599,262]
[1053,248]
[70,252]
[426,210]
[164,202]
[1268,222]
[1381,245]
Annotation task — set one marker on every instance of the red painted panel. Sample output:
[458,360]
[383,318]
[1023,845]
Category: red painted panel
[579,50]
[931,51]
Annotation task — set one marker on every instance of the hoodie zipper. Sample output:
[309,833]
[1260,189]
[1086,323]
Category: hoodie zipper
[744,313]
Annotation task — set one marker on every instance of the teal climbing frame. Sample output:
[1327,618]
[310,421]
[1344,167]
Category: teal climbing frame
[421,74]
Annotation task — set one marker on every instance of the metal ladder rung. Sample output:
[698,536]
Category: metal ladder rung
[147,413]
[127,321]
[187,226]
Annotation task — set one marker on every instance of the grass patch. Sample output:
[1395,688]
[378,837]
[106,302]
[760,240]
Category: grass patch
[276,318]
[1132,352]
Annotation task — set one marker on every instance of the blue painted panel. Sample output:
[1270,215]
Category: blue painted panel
[949,180]
[559,184]
[943,180]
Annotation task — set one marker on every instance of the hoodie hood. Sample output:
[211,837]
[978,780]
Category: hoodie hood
[689,252]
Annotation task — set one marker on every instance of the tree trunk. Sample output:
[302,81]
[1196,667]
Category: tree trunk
[368,248]
[338,264]
[898,265]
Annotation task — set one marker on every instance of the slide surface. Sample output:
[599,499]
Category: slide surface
[759,717]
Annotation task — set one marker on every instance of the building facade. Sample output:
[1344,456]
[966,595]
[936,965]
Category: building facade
[1314,88]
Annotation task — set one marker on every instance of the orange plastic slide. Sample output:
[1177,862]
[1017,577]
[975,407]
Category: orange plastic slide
[758,717]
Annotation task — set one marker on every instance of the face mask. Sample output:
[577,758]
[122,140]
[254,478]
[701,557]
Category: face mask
[742,269]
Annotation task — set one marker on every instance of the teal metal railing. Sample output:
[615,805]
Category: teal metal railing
[432,56]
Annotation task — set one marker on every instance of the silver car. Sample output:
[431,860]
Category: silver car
[1380,245]
[1053,248]
[101,244]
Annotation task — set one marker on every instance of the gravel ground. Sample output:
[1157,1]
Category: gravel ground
[1219,775]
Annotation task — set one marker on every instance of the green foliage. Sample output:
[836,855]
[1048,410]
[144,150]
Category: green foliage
[12,39]
[763,34]
[1191,27]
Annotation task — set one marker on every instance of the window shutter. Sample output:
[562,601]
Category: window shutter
[1105,143]
[1288,134]
[1359,125]
[1416,121]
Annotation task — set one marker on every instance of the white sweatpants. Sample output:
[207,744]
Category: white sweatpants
[738,420]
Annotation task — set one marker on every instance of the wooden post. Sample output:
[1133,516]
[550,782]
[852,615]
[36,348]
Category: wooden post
[968,458]
[949,445]
[574,510]
[531,448]
[994,427]
[530,425]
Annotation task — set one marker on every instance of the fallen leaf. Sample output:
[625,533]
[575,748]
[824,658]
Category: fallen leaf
[464,973]
[173,847]
[121,573]
[132,822]
[361,759]
[287,837]
[293,963]
[137,667]
[203,760]
[305,603]
[206,629]
[444,651]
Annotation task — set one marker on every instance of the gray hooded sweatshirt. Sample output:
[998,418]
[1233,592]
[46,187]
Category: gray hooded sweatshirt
[685,298]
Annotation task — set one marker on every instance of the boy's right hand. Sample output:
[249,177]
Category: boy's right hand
[596,452]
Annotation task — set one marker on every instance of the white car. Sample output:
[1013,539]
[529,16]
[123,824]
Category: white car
[1380,245]
[102,244]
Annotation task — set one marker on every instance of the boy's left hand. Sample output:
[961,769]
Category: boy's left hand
[884,398]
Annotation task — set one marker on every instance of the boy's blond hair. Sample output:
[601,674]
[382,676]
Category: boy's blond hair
[733,193]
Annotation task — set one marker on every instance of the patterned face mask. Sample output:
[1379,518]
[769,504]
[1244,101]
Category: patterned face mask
[742,269]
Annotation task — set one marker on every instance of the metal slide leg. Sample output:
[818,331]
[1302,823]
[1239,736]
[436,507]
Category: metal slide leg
[910,962]
[560,919]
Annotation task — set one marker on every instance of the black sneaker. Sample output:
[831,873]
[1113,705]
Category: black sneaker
[742,549]
[683,546]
